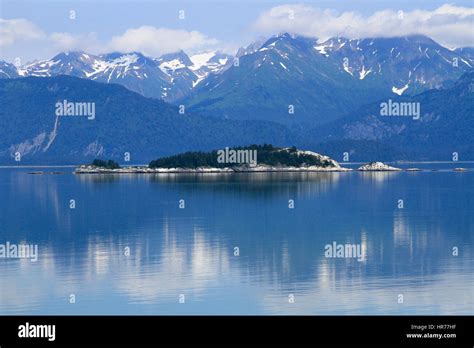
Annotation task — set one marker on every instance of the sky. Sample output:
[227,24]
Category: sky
[40,29]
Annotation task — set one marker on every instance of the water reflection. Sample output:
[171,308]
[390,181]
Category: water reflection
[191,251]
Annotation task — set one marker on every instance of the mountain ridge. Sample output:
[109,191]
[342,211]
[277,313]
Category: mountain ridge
[398,65]
[325,81]
[445,126]
[151,77]
[124,122]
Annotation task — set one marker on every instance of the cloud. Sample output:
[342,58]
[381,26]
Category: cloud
[149,40]
[68,42]
[157,41]
[16,30]
[448,24]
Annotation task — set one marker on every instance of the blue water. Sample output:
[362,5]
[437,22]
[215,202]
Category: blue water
[190,251]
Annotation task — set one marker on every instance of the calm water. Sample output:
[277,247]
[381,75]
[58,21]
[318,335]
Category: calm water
[190,251]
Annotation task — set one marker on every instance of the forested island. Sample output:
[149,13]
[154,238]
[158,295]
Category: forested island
[252,155]
[253,158]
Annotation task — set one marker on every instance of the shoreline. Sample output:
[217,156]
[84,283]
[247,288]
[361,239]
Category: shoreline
[144,165]
[227,170]
[144,170]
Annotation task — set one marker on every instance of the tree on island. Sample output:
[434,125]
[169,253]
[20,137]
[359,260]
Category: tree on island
[267,155]
[105,164]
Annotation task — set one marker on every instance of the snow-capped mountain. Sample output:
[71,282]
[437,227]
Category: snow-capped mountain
[169,77]
[252,48]
[207,63]
[76,64]
[285,72]
[323,81]
[407,65]
[187,72]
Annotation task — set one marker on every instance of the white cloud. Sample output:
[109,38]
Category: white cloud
[68,42]
[450,25]
[156,41]
[16,30]
[149,40]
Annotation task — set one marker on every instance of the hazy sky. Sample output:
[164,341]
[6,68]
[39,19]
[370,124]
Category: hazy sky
[40,29]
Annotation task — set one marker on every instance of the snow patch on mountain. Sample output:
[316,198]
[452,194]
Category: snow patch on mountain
[38,69]
[363,73]
[28,147]
[171,66]
[200,60]
[322,50]
[204,64]
[94,149]
[399,91]
[52,135]
[199,80]
[347,69]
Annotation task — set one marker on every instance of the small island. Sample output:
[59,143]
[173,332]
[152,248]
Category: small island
[247,159]
[253,158]
[377,167]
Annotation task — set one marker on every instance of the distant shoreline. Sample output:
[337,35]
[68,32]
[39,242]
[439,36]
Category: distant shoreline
[201,170]
[143,165]
[207,170]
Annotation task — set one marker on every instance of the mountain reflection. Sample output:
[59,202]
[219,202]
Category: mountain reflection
[281,251]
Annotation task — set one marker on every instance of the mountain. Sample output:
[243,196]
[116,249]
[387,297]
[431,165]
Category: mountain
[297,91]
[467,52]
[252,48]
[7,70]
[124,122]
[289,79]
[76,64]
[286,74]
[404,65]
[169,77]
[149,128]
[187,72]
[208,63]
[324,81]
[445,125]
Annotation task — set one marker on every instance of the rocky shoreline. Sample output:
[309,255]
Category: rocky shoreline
[202,170]
[369,167]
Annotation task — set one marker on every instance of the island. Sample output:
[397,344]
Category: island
[247,159]
[377,167]
[253,158]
